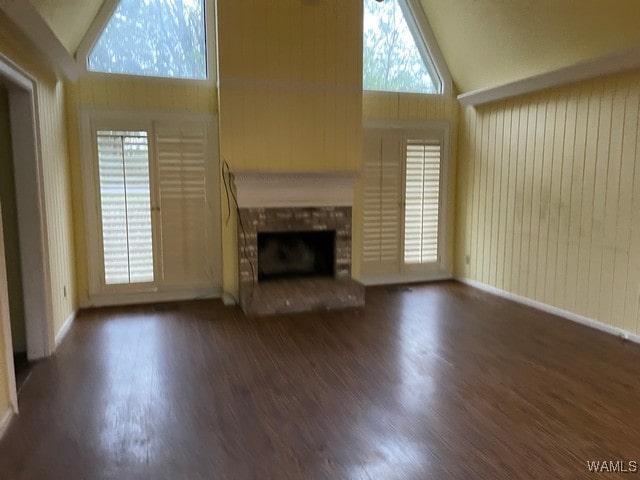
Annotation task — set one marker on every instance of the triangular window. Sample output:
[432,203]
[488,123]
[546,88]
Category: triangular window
[395,56]
[156,38]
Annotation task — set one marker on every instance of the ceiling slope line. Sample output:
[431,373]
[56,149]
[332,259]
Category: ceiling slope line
[618,62]
[31,24]
[96,28]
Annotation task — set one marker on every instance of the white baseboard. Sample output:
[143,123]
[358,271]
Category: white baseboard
[408,277]
[66,326]
[228,300]
[574,317]
[112,300]
[5,421]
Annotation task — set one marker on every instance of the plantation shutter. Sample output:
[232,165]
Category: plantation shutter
[185,213]
[125,206]
[382,200]
[422,201]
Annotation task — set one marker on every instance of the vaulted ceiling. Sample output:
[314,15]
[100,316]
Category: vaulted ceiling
[485,42]
[492,42]
[69,19]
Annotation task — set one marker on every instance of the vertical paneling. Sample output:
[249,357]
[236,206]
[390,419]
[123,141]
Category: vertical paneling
[50,111]
[576,199]
[290,90]
[621,262]
[548,204]
[559,269]
[57,190]
[139,93]
[290,75]
[631,318]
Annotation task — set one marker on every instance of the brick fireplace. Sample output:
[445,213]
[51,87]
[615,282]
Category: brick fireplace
[294,242]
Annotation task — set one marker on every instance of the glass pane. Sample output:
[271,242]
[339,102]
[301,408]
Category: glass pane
[392,61]
[125,204]
[158,38]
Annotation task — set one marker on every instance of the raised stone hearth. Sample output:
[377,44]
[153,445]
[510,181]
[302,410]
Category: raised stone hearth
[298,205]
[302,295]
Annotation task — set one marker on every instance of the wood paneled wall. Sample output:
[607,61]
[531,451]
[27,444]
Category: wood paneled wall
[290,91]
[57,190]
[409,106]
[50,98]
[139,93]
[55,161]
[290,84]
[549,198]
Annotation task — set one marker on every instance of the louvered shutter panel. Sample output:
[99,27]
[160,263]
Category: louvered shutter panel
[422,201]
[182,178]
[125,207]
[382,200]
[372,207]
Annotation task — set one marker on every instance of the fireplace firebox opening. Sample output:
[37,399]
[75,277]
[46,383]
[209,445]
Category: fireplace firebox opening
[296,254]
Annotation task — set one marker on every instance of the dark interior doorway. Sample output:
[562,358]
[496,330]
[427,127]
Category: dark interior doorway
[12,243]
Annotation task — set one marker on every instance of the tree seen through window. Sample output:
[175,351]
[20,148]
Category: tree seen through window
[392,60]
[159,38]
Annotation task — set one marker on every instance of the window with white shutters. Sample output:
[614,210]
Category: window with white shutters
[422,201]
[155,231]
[402,204]
[184,203]
[382,198]
[125,207]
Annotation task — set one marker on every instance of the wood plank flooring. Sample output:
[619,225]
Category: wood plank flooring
[427,382]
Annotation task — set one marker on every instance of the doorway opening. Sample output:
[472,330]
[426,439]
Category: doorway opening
[25,304]
[11,240]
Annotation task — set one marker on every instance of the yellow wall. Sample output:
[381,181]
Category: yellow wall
[50,105]
[549,198]
[121,93]
[409,106]
[55,161]
[290,91]
[10,227]
[57,194]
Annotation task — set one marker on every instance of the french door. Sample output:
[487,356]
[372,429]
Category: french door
[155,225]
[403,204]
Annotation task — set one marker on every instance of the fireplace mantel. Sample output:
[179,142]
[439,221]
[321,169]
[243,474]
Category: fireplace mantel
[294,189]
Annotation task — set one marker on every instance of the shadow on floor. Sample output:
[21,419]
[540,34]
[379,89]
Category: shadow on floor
[22,368]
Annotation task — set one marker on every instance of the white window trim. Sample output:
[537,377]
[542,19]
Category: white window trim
[100,22]
[92,120]
[432,130]
[429,46]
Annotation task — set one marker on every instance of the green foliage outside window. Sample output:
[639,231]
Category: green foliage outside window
[392,61]
[159,38]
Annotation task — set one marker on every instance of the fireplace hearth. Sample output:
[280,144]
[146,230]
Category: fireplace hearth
[294,243]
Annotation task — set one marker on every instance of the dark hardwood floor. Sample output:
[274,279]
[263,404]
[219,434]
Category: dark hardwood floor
[434,381]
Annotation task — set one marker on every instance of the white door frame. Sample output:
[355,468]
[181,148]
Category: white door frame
[32,227]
